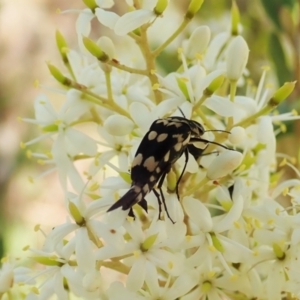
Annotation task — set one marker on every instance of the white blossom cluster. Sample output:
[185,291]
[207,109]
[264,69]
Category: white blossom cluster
[231,238]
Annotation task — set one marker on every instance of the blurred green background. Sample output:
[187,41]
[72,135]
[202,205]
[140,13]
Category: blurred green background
[271,28]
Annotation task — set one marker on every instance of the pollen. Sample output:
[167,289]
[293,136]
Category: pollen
[170,265]
[29,154]
[283,162]
[36,83]
[212,248]
[94,186]
[25,248]
[41,162]
[35,290]
[199,56]
[37,227]
[184,79]
[179,50]
[237,224]
[265,68]
[136,254]
[257,223]
[211,274]
[130,219]
[285,191]
[155,86]
[283,127]
[233,277]
[188,238]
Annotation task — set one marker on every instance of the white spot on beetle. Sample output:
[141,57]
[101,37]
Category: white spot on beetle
[162,137]
[137,160]
[167,156]
[152,135]
[178,147]
[150,163]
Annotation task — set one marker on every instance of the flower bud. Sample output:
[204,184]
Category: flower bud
[198,42]
[172,181]
[237,57]
[214,85]
[62,46]
[47,261]
[160,7]
[235,19]
[216,242]
[282,93]
[95,50]
[75,213]
[90,4]
[278,251]
[58,75]
[148,242]
[225,163]
[126,177]
[193,8]
[237,135]
[107,45]
[118,125]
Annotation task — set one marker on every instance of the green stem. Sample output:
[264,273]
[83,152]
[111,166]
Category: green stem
[233,86]
[150,62]
[117,266]
[119,66]
[205,120]
[264,111]
[109,87]
[158,50]
[101,101]
[196,187]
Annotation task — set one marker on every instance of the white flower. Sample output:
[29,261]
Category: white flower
[6,277]
[118,125]
[230,236]
[237,58]
[224,164]
[146,250]
[197,42]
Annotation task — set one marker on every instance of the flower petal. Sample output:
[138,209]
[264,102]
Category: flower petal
[195,208]
[132,20]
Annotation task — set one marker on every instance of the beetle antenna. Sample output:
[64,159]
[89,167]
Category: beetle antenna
[181,111]
[193,140]
[218,130]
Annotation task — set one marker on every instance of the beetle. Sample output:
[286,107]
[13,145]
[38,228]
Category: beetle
[165,142]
